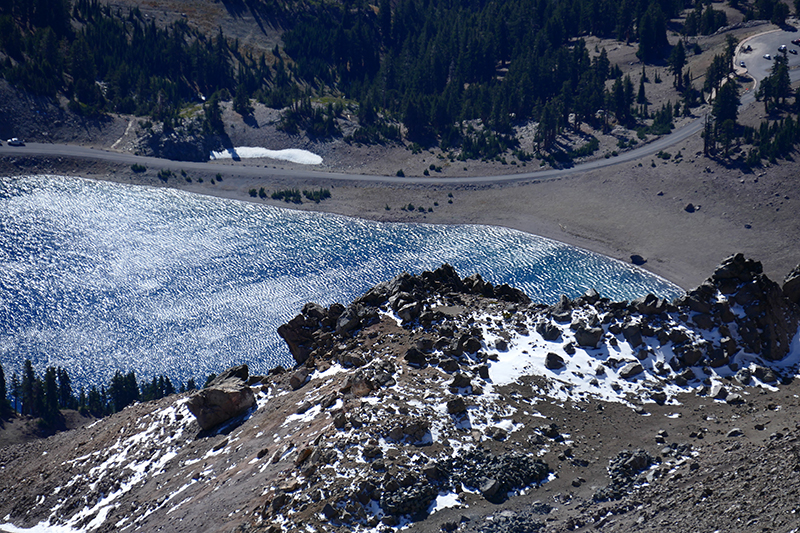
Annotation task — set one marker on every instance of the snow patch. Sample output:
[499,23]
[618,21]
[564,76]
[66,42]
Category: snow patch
[293,155]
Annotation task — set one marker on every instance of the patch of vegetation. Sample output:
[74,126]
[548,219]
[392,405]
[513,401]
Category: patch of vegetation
[288,195]
[164,174]
[136,167]
[317,196]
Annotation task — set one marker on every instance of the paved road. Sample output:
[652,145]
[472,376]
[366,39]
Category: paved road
[761,44]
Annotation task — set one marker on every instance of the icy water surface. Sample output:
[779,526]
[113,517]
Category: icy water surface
[96,276]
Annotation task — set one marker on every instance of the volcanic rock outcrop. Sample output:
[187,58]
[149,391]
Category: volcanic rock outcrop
[436,403]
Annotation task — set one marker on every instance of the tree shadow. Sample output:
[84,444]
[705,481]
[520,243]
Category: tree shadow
[251,121]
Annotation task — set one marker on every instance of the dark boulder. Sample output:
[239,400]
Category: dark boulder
[649,305]
[553,361]
[416,358]
[510,294]
[562,311]
[456,406]
[633,334]
[588,336]
[630,370]
[548,330]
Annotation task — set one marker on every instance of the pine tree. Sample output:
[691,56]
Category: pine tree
[16,391]
[5,408]
[677,60]
[50,413]
[28,383]
[726,104]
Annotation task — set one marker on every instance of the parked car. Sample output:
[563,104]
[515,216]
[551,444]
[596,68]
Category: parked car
[15,142]
[767,56]
[793,51]
[741,64]
[796,41]
[782,48]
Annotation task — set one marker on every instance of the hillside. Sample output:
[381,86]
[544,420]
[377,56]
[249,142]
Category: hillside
[441,403]
[181,79]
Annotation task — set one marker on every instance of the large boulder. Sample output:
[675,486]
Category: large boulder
[588,336]
[226,397]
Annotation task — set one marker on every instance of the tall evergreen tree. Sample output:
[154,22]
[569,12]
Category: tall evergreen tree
[28,385]
[677,60]
[16,391]
[726,104]
[652,33]
[5,407]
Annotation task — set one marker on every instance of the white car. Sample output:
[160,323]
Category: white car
[741,64]
[767,56]
[782,48]
[15,142]
[792,51]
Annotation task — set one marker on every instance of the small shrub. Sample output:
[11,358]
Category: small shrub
[401,174]
[262,193]
[219,176]
[136,167]
[253,193]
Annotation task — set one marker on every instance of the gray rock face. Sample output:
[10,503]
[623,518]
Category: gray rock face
[227,397]
[791,285]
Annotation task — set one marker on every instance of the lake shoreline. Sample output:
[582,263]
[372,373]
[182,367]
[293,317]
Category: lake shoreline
[622,211]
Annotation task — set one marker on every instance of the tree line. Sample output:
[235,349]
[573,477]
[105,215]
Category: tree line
[44,396]
[459,74]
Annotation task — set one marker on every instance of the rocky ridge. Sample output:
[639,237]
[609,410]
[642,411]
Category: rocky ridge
[440,403]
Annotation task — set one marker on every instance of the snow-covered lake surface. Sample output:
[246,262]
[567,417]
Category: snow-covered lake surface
[96,276]
[294,155]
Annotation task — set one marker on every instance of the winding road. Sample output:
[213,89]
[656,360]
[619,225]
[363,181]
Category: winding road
[757,67]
